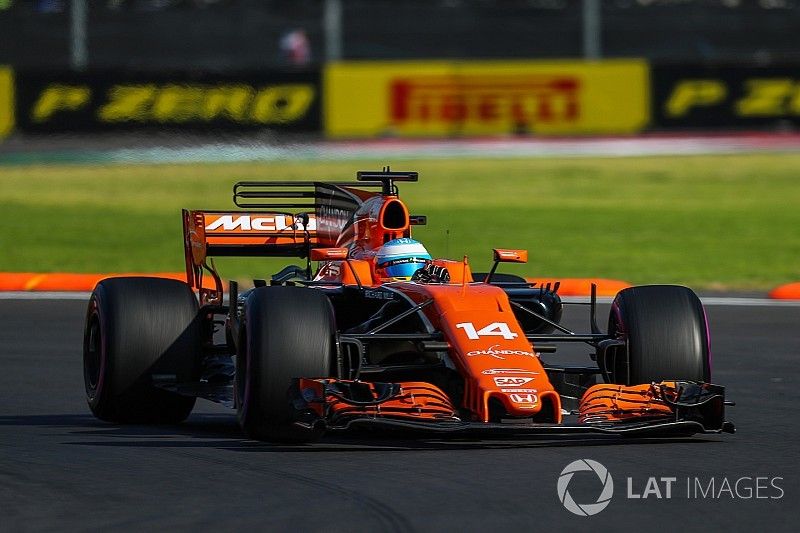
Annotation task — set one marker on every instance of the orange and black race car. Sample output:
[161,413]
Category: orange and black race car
[382,335]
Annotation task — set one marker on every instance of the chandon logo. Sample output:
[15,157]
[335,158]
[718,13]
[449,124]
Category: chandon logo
[492,351]
[585,509]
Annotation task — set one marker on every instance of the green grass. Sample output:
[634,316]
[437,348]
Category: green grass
[711,222]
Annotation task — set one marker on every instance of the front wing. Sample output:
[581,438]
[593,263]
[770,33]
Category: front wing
[666,409]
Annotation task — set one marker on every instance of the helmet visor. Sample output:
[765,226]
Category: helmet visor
[403,268]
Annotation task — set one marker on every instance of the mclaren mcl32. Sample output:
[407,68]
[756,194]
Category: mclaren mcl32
[372,332]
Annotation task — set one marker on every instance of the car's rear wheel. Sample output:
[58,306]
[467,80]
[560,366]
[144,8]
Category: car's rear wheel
[289,333]
[666,333]
[137,328]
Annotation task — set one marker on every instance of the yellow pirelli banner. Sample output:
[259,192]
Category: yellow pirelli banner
[433,99]
[6,101]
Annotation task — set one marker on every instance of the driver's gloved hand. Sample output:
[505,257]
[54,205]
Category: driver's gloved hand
[431,273]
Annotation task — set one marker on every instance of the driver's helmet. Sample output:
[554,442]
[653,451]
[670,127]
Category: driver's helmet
[400,258]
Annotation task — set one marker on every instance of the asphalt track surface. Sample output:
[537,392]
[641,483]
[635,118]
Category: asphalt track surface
[60,469]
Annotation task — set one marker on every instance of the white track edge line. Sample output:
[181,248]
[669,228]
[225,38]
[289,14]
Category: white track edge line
[44,295]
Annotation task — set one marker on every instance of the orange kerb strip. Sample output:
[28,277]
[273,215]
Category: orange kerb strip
[583,286]
[59,281]
[790,291]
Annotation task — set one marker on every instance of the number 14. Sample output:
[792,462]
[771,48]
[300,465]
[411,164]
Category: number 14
[495,329]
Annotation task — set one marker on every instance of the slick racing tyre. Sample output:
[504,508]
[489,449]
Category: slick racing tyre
[137,328]
[289,333]
[666,333]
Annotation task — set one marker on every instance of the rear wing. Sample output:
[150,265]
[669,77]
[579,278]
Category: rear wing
[278,219]
[248,233]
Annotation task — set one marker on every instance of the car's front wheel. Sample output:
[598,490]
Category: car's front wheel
[666,333]
[289,333]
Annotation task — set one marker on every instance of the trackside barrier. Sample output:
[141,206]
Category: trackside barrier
[725,97]
[103,101]
[365,99]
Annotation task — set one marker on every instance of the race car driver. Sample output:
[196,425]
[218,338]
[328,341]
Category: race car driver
[406,259]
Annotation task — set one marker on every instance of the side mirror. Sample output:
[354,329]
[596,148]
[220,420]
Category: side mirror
[502,255]
[510,256]
[328,254]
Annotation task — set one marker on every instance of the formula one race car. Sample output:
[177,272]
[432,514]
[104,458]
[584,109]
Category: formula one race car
[382,335]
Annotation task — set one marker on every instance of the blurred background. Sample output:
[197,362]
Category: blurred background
[465,91]
[316,67]
[234,35]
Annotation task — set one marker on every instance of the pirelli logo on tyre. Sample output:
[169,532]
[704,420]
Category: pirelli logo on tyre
[368,99]
[102,100]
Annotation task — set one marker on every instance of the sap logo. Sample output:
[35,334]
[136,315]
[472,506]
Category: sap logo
[511,382]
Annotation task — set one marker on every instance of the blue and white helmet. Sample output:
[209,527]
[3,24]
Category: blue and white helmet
[400,258]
